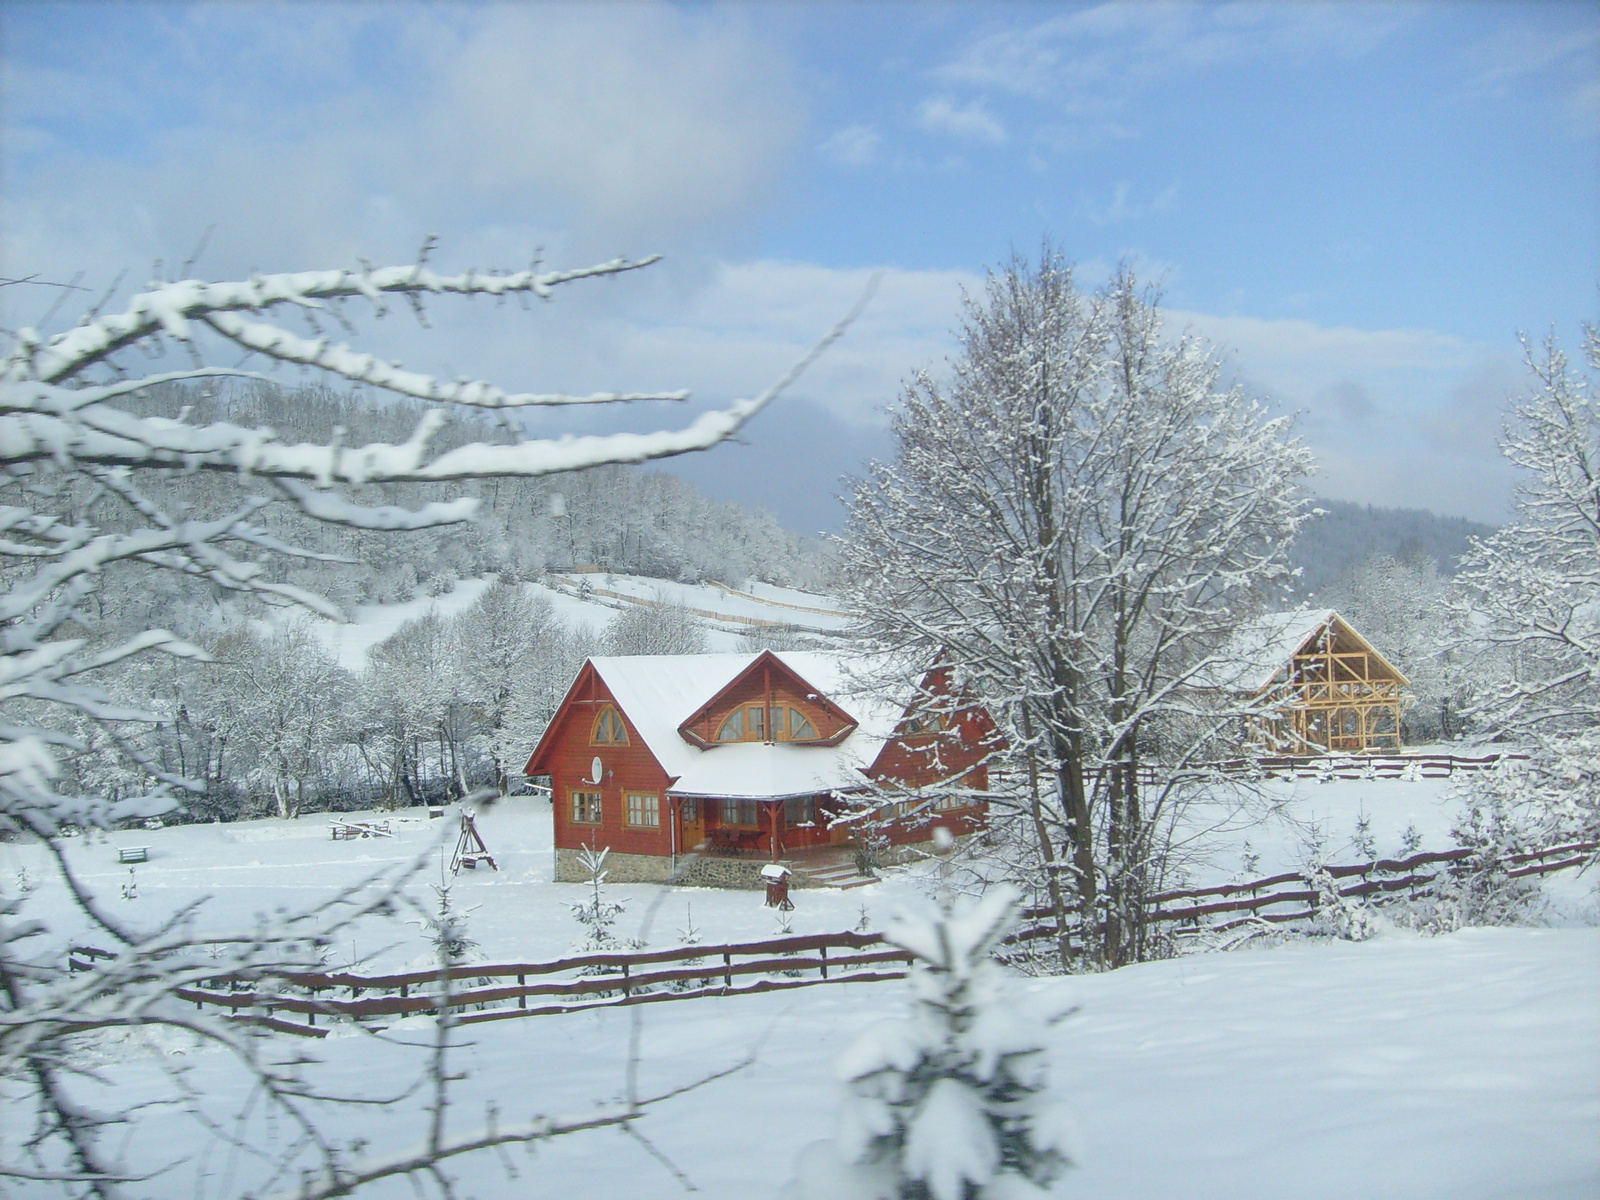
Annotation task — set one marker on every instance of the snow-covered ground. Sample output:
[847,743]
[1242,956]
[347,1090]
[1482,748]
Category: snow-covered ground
[593,610]
[1464,1067]
[258,866]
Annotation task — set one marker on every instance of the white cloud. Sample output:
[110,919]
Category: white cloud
[1567,60]
[853,146]
[596,131]
[1299,350]
[1088,63]
[971,121]
[1122,207]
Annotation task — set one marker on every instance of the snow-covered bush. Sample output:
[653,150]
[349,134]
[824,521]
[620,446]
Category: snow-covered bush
[1339,916]
[950,1102]
[655,628]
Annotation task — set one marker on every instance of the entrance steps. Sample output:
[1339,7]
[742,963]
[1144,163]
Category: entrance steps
[833,873]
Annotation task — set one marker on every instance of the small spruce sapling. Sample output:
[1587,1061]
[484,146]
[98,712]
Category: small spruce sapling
[1249,862]
[949,1103]
[597,914]
[1362,839]
[450,940]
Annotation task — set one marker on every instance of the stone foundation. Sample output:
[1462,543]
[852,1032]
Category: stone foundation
[705,871]
[620,868]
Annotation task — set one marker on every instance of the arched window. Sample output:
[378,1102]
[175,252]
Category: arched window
[609,729]
[758,723]
[800,727]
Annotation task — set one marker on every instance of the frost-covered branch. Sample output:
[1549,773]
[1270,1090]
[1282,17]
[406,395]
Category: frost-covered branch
[85,497]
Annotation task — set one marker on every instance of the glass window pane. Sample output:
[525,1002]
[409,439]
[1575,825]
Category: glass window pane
[800,727]
[758,723]
[777,721]
[733,728]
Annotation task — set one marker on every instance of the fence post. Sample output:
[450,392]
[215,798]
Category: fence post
[727,969]
[824,962]
[627,988]
[522,1001]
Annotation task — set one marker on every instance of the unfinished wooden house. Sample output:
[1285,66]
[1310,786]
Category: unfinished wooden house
[1320,686]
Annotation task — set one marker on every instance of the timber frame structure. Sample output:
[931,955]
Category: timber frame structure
[1322,687]
[1340,694]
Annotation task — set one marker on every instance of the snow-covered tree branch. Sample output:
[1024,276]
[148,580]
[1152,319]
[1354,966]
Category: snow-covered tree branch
[1532,604]
[82,465]
[1074,522]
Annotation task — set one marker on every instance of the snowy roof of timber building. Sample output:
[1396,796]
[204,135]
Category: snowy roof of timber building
[1260,651]
[658,692]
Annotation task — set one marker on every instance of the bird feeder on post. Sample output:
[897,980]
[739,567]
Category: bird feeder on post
[776,877]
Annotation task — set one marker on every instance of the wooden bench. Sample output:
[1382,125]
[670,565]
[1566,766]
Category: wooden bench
[133,854]
[342,830]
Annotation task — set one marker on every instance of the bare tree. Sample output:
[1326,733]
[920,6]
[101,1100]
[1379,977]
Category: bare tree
[1073,522]
[76,456]
[655,627]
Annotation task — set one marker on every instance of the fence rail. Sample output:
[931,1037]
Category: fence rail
[1253,896]
[594,981]
[486,992]
[1323,767]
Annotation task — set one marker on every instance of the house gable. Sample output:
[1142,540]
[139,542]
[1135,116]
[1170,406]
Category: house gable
[622,804]
[941,735]
[1348,656]
[767,702]
[591,726]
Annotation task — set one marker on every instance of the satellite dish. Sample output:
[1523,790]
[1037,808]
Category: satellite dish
[595,770]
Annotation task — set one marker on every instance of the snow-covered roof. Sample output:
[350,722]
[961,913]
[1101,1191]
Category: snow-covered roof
[658,692]
[1260,651]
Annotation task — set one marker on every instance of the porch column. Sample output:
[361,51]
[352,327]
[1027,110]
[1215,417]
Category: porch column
[674,828]
[777,815]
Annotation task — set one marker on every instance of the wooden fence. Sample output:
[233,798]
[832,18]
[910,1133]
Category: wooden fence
[1326,767]
[473,992]
[1196,908]
[476,993]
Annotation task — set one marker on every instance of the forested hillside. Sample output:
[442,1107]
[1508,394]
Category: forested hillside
[273,723]
[625,519]
[1349,534]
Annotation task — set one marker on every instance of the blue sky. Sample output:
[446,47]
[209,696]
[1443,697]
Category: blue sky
[1360,204]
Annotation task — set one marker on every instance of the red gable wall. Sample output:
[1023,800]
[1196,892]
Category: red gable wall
[918,760]
[566,754]
[769,680]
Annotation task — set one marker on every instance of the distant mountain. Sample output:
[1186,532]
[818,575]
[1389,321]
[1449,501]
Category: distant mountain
[1348,534]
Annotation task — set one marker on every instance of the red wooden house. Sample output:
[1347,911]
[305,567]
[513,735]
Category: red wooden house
[700,767]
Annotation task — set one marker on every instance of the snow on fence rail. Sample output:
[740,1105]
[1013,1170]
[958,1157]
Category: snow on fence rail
[1329,767]
[1377,878]
[594,981]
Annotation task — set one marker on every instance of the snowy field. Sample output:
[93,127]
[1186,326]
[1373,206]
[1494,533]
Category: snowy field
[1465,1066]
[372,623]
[260,866]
